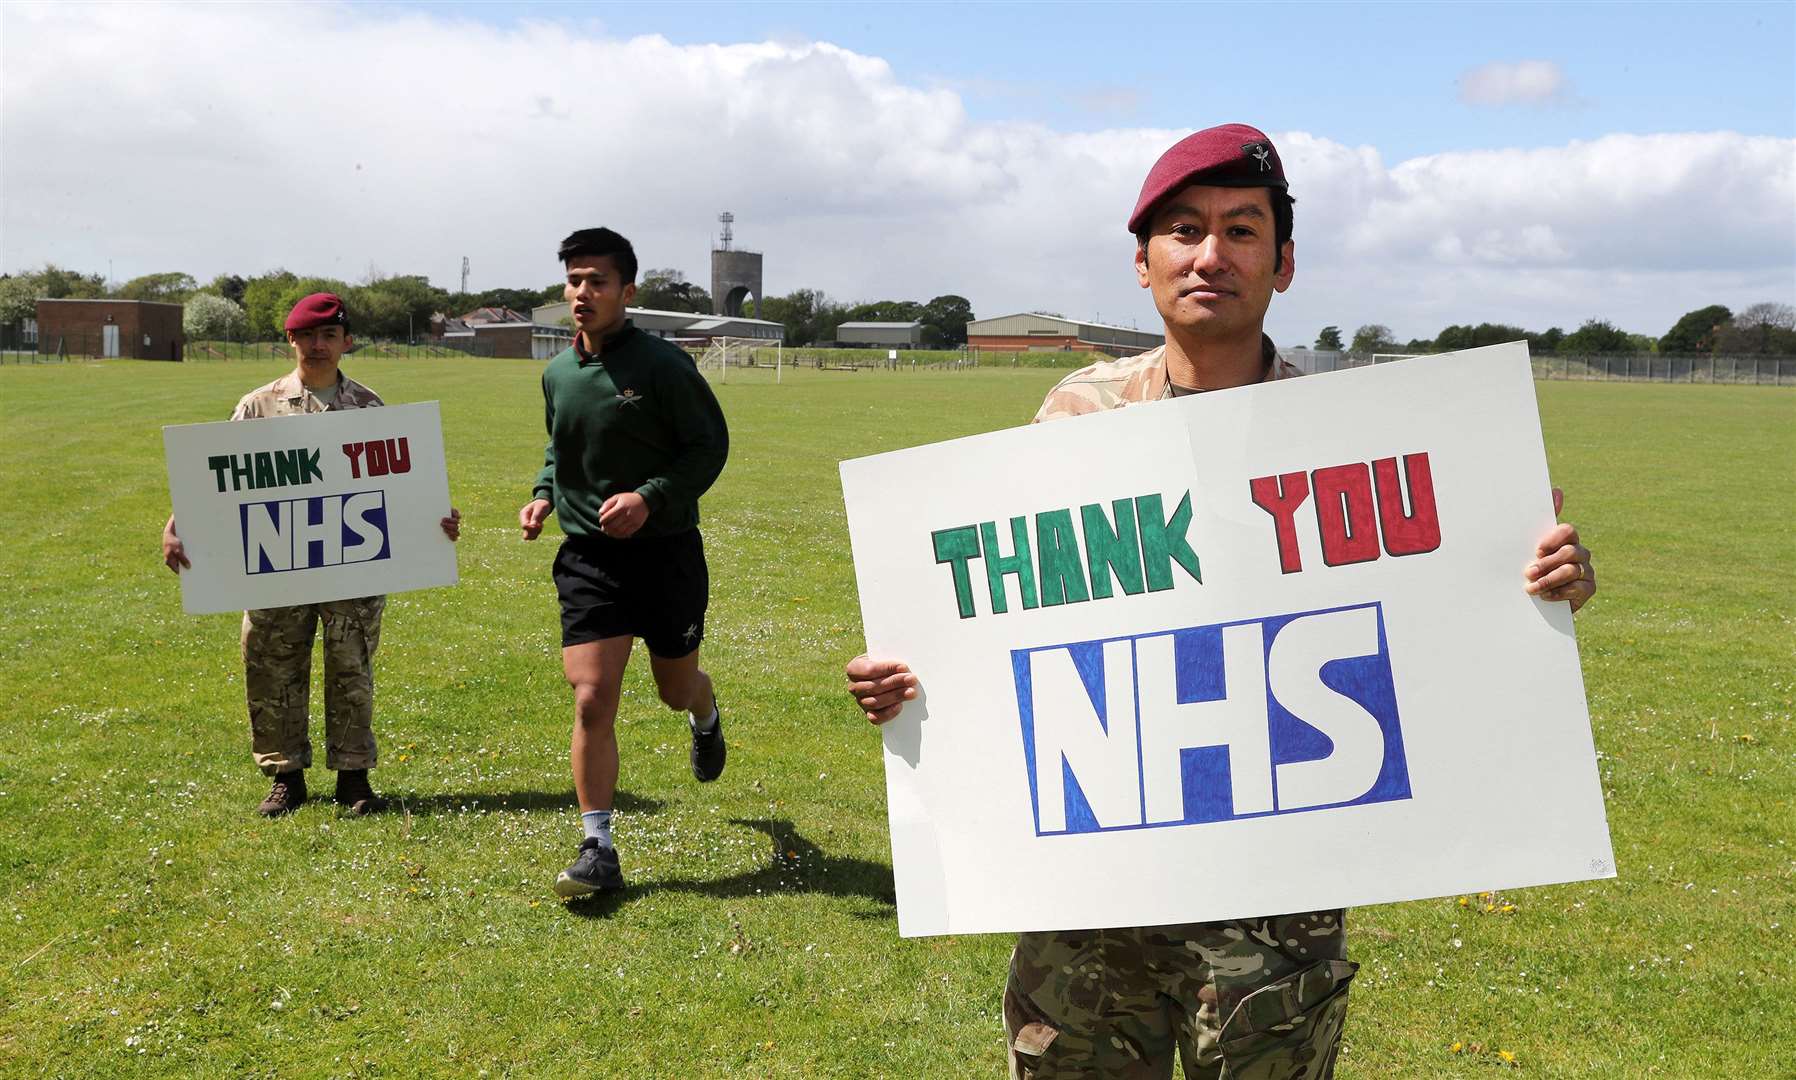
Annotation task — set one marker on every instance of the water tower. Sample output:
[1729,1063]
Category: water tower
[735,275]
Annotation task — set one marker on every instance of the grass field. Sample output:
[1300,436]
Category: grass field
[152,925]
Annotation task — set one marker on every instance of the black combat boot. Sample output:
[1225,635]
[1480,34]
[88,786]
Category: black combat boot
[354,792]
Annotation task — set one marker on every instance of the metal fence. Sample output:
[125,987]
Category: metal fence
[1651,367]
[1760,370]
[1606,367]
[280,350]
[82,346]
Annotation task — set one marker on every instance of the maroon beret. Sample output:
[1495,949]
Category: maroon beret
[318,309]
[1233,155]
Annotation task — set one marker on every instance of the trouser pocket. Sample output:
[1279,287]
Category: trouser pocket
[1289,1028]
[1028,1033]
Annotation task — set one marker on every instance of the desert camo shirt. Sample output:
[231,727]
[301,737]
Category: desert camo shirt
[287,396]
[1112,384]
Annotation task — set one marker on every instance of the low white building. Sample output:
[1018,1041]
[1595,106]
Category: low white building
[674,325]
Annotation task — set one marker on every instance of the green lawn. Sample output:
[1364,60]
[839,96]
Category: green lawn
[152,925]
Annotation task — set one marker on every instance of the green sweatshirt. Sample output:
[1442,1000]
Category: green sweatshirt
[635,417]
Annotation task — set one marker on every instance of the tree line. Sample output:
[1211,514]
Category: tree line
[231,307]
[255,308]
[1765,328]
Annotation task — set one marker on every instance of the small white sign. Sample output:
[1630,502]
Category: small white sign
[304,509]
[891,354]
[1256,651]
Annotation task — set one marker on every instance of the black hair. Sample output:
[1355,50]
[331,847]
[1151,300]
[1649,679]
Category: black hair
[601,241]
[1282,222]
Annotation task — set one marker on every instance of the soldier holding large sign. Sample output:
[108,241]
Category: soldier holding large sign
[1243,998]
[277,641]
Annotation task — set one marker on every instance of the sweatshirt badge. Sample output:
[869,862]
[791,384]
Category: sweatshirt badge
[629,397]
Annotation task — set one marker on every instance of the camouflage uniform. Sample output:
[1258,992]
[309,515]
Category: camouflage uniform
[1243,999]
[277,642]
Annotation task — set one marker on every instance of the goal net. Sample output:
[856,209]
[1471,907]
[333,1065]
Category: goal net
[724,359]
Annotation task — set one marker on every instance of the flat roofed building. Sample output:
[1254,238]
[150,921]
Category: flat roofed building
[1029,331]
[139,329]
[904,335]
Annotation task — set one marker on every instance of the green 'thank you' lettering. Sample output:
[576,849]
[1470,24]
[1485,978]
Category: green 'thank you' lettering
[1133,546]
[265,469]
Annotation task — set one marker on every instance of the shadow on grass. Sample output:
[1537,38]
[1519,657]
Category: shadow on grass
[795,865]
[491,802]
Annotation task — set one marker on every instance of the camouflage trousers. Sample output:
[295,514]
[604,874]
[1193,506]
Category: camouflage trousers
[1251,999]
[277,677]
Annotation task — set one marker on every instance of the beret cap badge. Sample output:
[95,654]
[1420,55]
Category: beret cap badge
[1232,155]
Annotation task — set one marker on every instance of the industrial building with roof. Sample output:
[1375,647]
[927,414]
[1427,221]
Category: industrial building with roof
[881,335]
[675,325]
[1029,331]
[496,331]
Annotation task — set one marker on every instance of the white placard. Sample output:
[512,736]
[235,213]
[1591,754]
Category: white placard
[303,509]
[1368,710]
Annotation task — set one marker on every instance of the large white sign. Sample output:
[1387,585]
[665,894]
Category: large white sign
[1257,651]
[304,509]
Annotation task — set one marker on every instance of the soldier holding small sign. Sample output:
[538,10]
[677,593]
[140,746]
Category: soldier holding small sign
[1250,998]
[277,642]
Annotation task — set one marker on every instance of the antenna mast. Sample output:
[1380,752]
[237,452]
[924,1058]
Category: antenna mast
[726,217]
[464,273]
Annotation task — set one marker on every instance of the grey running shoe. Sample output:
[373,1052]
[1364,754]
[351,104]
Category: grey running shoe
[595,868]
[708,750]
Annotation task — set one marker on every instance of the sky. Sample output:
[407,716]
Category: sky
[1537,165]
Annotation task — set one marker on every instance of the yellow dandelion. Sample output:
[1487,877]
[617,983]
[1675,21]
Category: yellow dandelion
[1463,902]
[1456,1047]
[1508,1058]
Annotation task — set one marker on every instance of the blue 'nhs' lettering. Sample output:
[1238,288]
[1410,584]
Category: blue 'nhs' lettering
[1211,723]
[303,534]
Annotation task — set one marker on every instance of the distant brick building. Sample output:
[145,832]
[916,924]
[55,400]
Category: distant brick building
[137,329]
[1031,331]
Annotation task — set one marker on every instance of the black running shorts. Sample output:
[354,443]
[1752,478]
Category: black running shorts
[655,588]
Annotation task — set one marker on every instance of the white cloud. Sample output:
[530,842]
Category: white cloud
[407,140]
[1524,82]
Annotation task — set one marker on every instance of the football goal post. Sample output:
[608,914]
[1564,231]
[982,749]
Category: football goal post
[721,354]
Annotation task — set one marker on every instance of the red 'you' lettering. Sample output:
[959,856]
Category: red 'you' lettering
[1280,496]
[399,456]
[1345,514]
[377,459]
[1420,529]
[352,450]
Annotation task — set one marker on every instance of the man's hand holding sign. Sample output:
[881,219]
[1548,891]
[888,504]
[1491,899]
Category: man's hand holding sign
[1250,651]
